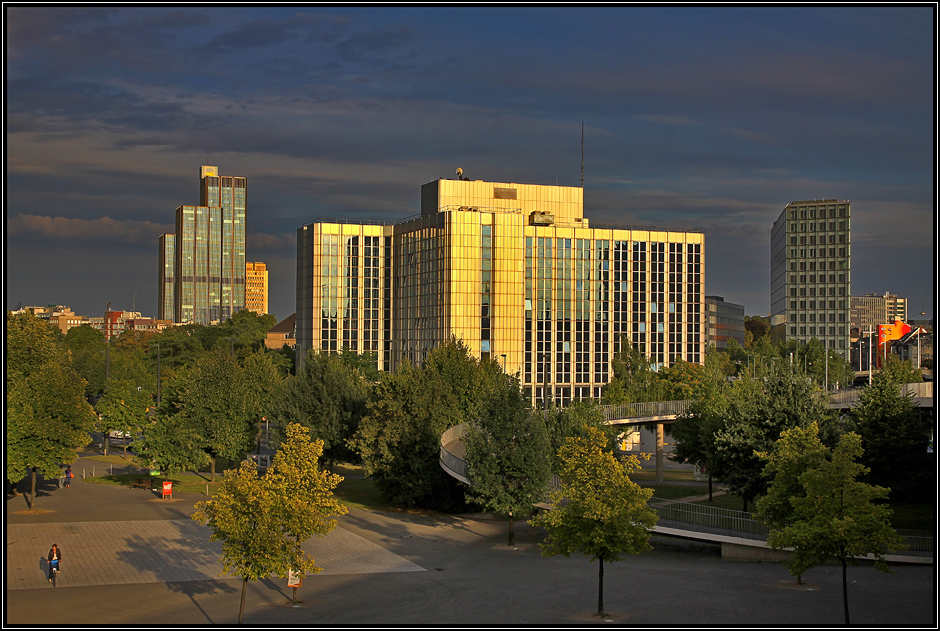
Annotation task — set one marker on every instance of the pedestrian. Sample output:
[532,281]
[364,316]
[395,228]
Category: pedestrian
[55,555]
[68,476]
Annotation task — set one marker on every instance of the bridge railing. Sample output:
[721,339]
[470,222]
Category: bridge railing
[454,464]
[637,410]
[711,519]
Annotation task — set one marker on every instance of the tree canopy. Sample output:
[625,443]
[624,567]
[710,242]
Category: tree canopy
[47,416]
[508,453]
[599,511]
[262,521]
[834,515]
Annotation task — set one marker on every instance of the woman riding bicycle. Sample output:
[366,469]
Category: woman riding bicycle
[55,555]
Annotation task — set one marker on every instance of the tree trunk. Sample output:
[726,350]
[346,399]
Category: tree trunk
[32,490]
[241,610]
[709,487]
[745,503]
[512,534]
[659,453]
[845,591]
[212,470]
[107,443]
[125,448]
[600,586]
[799,579]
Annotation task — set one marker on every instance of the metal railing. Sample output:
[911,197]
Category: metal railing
[723,521]
[639,410]
[454,465]
[710,519]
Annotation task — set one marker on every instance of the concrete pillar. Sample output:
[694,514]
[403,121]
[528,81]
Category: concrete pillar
[659,453]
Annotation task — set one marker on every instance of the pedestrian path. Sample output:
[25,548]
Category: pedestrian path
[161,551]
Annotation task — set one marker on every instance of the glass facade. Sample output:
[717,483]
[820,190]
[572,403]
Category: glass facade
[811,273]
[516,273]
[209,253]
[166,307]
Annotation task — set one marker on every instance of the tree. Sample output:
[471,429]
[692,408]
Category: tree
[563,423]
[599,511]
[399,440]
[633,381]
[723,431]
[87,347]
[171,445]
[895,435]
[757,326]
[123,407]
[798,450]
[217,401]
[508,453]
[262,521]
[685,380]
[47,417]
[836,515]
[329,398]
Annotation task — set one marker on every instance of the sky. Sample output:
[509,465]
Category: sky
[704,118]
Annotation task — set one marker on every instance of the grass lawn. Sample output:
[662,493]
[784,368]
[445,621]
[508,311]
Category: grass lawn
[648,475]
[182,482]
[677,492]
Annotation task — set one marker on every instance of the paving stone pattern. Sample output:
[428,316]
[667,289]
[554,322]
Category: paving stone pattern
[127,552]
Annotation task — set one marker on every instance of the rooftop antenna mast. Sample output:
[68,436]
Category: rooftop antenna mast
[582,154]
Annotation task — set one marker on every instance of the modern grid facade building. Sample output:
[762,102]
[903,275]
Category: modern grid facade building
[870,310]
[256,287]
[202,265]
[811,273]
[725,322]
[513,270]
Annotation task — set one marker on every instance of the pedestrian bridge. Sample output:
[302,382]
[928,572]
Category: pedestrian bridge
[739,534]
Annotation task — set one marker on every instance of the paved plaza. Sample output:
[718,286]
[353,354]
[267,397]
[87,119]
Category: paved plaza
[130,558]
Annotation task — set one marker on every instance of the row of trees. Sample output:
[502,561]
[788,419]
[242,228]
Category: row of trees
[725,428]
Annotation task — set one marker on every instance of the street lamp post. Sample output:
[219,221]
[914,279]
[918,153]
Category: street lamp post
[158,373]
[504,361]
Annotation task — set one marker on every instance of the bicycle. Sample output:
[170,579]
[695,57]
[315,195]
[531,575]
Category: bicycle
[55,570]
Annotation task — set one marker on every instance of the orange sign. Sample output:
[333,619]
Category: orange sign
[888,333]
[167,489]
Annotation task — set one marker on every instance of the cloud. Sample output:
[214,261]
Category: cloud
[103,229]
[261,241]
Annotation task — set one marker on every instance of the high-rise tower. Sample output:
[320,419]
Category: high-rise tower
[810,277]
[208,267]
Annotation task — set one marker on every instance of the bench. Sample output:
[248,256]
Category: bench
[141,484]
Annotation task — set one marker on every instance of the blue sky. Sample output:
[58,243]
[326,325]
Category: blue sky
[694,118]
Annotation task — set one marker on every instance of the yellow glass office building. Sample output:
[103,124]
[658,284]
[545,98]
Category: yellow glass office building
[515,271]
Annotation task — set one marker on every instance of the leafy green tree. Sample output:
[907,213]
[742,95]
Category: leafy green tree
[123,408]
[262,521]
[47,417]
[217,401]
[684,380]
[723,431]
[836,516]
[633,381]
[170,445]
[508,453]
[265,382]
[87,347]
[329,398]
[757,326]
[599,511]
[366,363]
[895,435]
[564,423]
[694,431]
[399,440]
[795,452]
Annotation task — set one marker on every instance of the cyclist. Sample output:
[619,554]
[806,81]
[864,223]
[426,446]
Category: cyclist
[55,555]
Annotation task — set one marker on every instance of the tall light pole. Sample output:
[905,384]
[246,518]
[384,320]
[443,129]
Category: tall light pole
[158,373]
[107,344]
[869,354]
[504,361]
